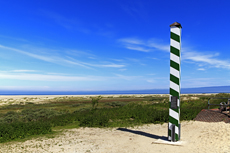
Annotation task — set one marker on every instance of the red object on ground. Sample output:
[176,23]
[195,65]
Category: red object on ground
[212,115]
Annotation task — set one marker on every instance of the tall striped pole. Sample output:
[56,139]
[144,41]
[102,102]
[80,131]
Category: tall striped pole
[174,97]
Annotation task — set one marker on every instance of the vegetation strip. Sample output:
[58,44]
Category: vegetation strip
[36,119]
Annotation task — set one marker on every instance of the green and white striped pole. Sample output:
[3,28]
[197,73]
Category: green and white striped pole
[174,97]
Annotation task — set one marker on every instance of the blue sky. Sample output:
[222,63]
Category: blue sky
[111,44]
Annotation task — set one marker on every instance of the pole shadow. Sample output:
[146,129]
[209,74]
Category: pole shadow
[143,134]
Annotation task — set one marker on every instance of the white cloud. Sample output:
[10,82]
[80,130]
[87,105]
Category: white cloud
[132,41]
[79,53]
[209,59]
[144,46]
[136,9]
[201,69]
[159,46]
[111,65]
[151,81]
[60,60]
[48,77]
[70,24]
[139,61]
[14,38]
[92,57]
[23,70]
[118,60]
[137,48]
[153,58]
[56,60]
[119,76]
[25,88]
[199,82]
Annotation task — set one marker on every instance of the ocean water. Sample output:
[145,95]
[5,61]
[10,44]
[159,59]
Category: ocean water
[216,89]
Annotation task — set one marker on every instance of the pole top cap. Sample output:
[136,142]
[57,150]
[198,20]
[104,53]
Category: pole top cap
[176,24]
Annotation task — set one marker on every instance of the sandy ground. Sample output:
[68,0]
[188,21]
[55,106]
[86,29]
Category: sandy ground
[196,137]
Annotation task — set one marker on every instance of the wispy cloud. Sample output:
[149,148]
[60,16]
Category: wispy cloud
[26,88]
[151,81]
[138,48]
[23,70]
[139,61]
[112,65]
[153,58]
[128,78]
[132,41]
[56,60]
[60,60]
[201,69]
[118,60]
[79,53]
[70,24]
[144,46]
[209,59]
[122,69]
[48,77]
[135,9]
[62,77]
[199,82]
[159,46]
[14,38]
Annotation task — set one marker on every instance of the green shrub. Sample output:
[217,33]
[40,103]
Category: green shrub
[10,117]
[95,101]
[157,98]
[116,104]
[82,110]
[76,105]
[204,98]
[38,114]
[223,95]
[19,130]
[189,113]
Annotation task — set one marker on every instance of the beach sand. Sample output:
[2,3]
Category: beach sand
[198,137]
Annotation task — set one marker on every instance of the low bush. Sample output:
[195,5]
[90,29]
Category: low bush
[116,104]
[189,113]
[76,105]
[156,98]
[28,115]
[19,130]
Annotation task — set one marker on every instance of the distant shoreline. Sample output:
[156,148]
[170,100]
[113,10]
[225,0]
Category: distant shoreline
[103,95]
[17,99]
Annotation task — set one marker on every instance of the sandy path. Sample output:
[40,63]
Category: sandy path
[198,137]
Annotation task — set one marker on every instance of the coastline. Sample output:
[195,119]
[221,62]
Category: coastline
[103,95]
[18,99]
[87,96]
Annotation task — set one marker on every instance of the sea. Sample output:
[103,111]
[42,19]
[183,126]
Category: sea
[200,90]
